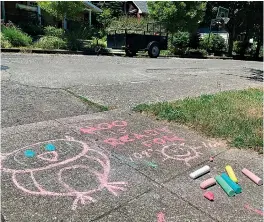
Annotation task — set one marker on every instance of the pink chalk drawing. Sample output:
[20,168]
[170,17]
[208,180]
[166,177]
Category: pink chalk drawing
[70,156]
[161,217]
[180,152]
[103,126]
[254,210]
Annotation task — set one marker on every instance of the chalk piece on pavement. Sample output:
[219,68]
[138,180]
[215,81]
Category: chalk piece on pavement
[230,192]
[208,183]
[200,172]
[231,183]
[252,176]
[231,173]
[209,195]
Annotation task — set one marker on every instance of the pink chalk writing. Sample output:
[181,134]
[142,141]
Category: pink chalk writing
[161,217]
[142,154]
[54,162]
[103,126]
[254,210]
[133,137]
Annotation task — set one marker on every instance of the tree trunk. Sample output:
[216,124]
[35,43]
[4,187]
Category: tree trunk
[231,38]
[259,43]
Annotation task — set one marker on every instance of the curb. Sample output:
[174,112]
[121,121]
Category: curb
[69,52]
[57,51]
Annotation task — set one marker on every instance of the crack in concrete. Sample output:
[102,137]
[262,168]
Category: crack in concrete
[120,206]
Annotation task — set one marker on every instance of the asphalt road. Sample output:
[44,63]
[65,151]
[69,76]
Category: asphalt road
[34,86]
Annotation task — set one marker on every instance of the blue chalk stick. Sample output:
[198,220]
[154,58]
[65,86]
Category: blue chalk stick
[231,183]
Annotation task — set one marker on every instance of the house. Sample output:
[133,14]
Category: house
[29,11]
[136,8]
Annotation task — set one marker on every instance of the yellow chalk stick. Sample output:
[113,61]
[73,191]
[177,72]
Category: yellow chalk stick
[231,173]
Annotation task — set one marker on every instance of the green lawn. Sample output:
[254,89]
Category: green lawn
[236,116]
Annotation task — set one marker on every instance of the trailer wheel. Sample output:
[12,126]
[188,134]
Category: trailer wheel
[154,50]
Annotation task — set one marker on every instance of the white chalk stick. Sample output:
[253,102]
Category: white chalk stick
[208,183]
[252,176]
[200,172]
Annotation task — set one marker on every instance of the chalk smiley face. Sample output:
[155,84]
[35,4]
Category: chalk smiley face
[181,152]
[43,155]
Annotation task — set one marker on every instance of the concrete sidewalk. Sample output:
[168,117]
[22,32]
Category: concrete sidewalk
[120,166]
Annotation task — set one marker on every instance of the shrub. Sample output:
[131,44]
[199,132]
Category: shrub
[74,37]
[31,29]
[216,43]
[4,42]
[101,42]
[50,42]
[15,36]
[199,53]
[130,23]
[237,47]
[53,31]
[181,40]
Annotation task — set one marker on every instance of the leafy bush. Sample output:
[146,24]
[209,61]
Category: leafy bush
[181,40]
[99,42]
[31,29]
[196,52]
[129,23]
[53,31]
[216,43]
[15,36]
[237,47]
[51,42]
[77,34]
[4,42]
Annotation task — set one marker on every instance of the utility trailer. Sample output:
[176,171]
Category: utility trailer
[152,40]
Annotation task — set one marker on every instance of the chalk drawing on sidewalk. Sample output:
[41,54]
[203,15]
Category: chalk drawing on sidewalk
[259,212]
[180,152]
[161,217]
[61,161]
[159,142]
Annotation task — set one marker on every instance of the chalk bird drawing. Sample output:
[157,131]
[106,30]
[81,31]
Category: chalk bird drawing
[61,168]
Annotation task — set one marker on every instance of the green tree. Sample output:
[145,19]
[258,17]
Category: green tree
[111,10]
[245,17]
[178,16]
[60,9]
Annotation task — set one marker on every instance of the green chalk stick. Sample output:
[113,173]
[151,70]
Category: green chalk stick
[230,192]
[231,183]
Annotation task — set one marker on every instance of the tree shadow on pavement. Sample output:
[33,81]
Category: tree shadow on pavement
[256,75]
[4,67]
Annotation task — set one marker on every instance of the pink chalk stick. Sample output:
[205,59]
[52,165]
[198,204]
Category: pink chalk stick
[208,183]
[252,176]
[209,195]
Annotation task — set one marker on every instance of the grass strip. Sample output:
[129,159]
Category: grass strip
[236,116]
